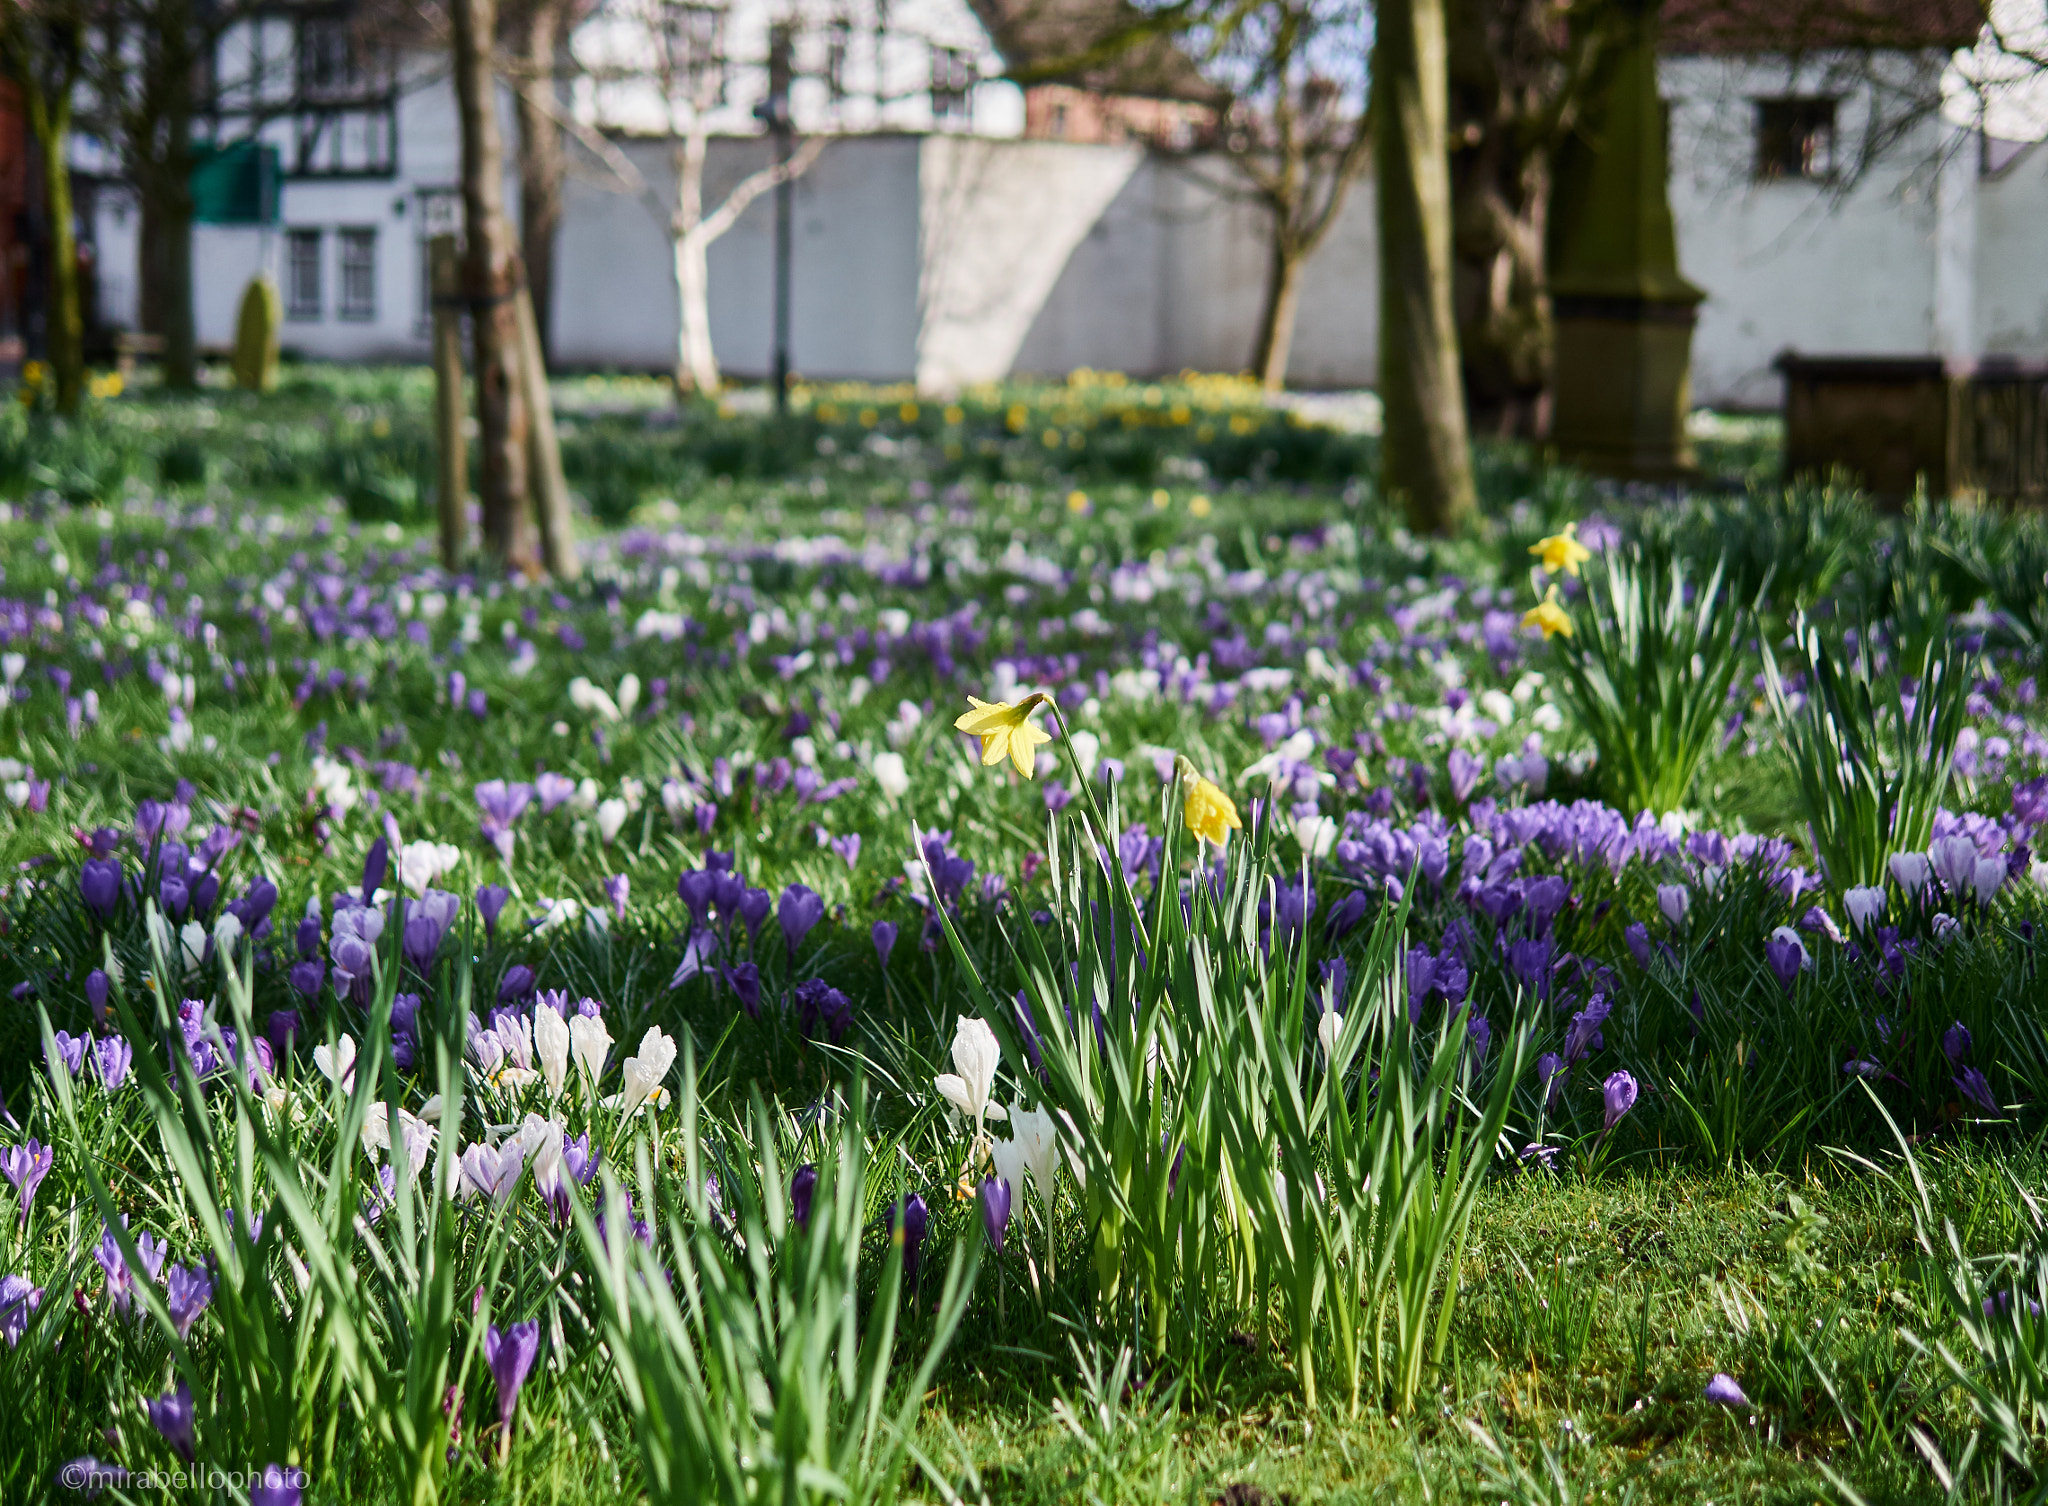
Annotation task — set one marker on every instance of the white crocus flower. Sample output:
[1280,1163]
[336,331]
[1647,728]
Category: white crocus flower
[493,1173]
[591,701]
[551,1045]
[1036,1135]
[611,815]
[892,775]
[226,932]
[629,694]
[977,1055]
[645,1070]
[1007,1157]
[1328,1028]
[422,864]
[192,939]
[591,1043]
[419,1135]
[338,1063]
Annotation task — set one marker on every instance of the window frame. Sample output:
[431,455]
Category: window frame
[297,309]
[1786,124]
[348,238]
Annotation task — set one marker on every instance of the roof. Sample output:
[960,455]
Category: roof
[1108,46]
[1740,27]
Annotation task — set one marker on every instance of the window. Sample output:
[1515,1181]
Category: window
[302,274]
[695,43]
[1795,138]
[358,275]
[952,83]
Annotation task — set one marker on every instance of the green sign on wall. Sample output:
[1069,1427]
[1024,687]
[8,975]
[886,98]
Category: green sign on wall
[236,185]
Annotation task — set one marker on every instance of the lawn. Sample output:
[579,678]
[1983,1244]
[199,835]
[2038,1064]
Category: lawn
[1547,1014]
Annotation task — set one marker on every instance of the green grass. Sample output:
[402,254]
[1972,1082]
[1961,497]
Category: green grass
[1725,1225]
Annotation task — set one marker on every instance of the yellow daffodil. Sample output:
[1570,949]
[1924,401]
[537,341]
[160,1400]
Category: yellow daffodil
[1209,813]
[1549,616]
[1005,731]
[1562,552]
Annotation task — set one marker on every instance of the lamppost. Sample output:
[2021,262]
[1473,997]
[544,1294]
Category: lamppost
[774,113]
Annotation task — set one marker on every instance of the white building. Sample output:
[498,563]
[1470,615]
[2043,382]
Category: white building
[945,238]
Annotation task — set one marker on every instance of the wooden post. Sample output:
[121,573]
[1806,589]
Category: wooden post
[445,264]
[544,452]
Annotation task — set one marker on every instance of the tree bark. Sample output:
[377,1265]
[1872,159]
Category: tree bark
[543,165]
[1425,456]
[51,121]
[180,330]
[1277,318]
[492,280]
[696,361]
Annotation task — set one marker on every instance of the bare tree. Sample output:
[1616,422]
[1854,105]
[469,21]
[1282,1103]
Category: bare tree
[688,64]
[44,45]
[1294,134]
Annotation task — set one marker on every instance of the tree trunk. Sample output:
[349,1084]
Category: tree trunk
[492,278]
[696,361]
[180,331]
[1277,318]
[1501,297]
[1512,78]
[51,120]
[542,164]
[1425,457]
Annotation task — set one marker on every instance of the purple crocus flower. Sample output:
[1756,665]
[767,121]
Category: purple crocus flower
[754,905]
[190,1290]
[745,982]
[1551,1072]
[426,923]
[510,1354]
[847,848]
[70,1051]
[908,1222]
[616,888]
[695,887]
[553,789]
[803,1186]
[99,885]
[818,1003]
[111,1059]
[92,1477]
[97,987]
[376,863]
[884,936]
[490,903]
[1972,1085]
[306,978]
[1480,1034]
[799,910]
[995,1210]
[1722,1391]
[25,1166]
[1955,1043]
[18,1300]
[278,1486]
[1786,955]
[172,1415]
[1618,1094]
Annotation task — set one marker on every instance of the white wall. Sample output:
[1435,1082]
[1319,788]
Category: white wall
[853,265]
[2012,252]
